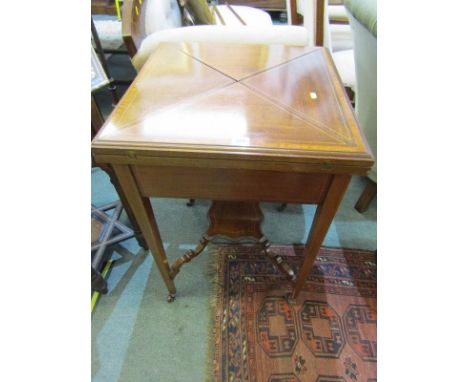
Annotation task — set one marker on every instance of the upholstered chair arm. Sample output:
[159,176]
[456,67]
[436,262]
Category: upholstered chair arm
[275,34]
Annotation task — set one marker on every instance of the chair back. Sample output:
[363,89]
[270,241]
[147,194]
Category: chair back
[365,55]
[143,17]
[133,24]
[314,18]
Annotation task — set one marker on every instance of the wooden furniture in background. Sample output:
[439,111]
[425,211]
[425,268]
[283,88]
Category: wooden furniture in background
[105,231]
[237,124]
[335,10]
[267,5]
[96,124]
[96,117]
[319,21]
[102,59]
[100,78]
[297,19]
[133,24]
[139,20]
[103,7]
[367,196]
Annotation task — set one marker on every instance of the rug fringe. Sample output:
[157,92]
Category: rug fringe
[213,272]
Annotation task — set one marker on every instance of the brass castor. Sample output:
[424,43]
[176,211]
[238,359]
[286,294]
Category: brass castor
[170,297]
[290,299]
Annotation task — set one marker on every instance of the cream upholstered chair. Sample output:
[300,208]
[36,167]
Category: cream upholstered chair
[165,14]
[331,19]
[147,23]
[340,30]
[356,60]
[337,12]
[142,32]
[363,20]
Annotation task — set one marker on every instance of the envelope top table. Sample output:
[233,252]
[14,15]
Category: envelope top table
[272,105]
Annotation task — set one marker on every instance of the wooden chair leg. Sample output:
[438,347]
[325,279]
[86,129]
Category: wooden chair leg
[366,197]
[96,117]
[351,96]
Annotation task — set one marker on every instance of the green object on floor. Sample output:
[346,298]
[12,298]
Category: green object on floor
[95,295]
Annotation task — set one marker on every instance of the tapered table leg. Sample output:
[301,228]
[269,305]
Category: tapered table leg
[96,123]
[136,227]
[322,220]
[141,208]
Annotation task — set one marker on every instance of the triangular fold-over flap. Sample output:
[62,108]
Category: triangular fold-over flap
[305,87]
[230,116]
[168,78]
[243,60]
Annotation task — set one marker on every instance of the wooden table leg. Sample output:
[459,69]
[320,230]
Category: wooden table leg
[96,123]
[136,227]
[322,220]
[143,212]
[366,197]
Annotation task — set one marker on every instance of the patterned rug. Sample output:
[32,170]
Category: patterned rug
[329,335]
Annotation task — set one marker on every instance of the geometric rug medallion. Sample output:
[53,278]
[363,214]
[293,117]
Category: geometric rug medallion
[328,335]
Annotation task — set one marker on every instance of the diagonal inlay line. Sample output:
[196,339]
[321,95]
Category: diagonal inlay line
[175,105]
[346,134]
[132,94]
[314,50]
[188,99]
[221,81]
[207,65]
[327,141]
[307,120]
[298,115]
[257,71]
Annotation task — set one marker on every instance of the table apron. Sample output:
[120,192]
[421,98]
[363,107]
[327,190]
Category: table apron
[231,184]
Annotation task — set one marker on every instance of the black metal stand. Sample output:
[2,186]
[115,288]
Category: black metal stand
[110,224]
[112,88]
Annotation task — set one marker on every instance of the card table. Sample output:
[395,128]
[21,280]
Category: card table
[238,125]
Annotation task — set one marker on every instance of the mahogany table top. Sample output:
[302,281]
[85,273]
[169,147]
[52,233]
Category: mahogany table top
[270,103]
